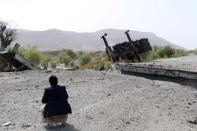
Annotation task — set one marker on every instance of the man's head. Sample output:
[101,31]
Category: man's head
[53,80]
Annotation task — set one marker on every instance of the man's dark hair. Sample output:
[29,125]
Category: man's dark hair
[53,80]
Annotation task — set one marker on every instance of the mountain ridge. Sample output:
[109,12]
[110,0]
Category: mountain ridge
[54,39]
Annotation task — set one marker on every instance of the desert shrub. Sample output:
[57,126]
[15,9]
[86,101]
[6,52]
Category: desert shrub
[100,55]
[79,53]
[98,67]
[71,53]
[195,51]
[74,63]
[46,58]
[179,52]
[53,64]
[166,52]
[101,66]
[169,51]
[85,58]
[31,53]
[150,56]
[64,58]
[163,52]
[108,66]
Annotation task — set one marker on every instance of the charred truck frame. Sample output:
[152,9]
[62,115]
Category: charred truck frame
[127,51]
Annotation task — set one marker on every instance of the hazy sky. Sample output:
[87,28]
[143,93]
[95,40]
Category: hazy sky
[174,20]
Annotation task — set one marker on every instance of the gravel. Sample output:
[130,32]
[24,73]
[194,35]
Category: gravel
[101,101]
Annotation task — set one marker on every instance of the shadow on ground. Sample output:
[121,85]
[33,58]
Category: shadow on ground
[181,81]
[67,127]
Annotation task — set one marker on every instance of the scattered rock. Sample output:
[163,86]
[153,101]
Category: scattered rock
[48,71]
[138,87]
[128,122]
[101,79]
[18,89]
[192,121]
[25,126]
[6,124]
[89,117]
[101,112]
[116,128]
[109,94]
[157,85]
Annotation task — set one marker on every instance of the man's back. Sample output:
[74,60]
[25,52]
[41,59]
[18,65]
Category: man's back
[55,98]
[55,93]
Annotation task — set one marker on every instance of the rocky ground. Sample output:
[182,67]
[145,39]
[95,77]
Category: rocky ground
[100,101]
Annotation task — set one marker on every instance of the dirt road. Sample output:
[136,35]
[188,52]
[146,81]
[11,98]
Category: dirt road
[100,101]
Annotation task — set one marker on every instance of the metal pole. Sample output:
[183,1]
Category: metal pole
[136,52]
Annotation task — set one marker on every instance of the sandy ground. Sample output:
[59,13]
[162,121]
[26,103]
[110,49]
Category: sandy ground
[100,101]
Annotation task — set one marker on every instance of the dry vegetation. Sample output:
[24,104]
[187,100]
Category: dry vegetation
[75,59]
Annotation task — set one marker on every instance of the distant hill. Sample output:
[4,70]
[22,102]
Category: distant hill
[56,39]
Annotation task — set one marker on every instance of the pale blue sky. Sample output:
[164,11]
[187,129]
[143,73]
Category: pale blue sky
[174,20]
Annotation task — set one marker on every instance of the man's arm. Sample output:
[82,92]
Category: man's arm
[66,94]
[44,98]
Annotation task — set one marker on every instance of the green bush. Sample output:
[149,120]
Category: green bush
[169,51]
[100,55]
[166,52]
[32,53]
[195,51]
[152,55]
[64,58]
[71,53]
[85,58]
[53,64]
[179,53]
[98,67]
[80,53]
[163,52]
[46,58]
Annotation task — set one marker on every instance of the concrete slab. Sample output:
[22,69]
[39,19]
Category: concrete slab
[182,67]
